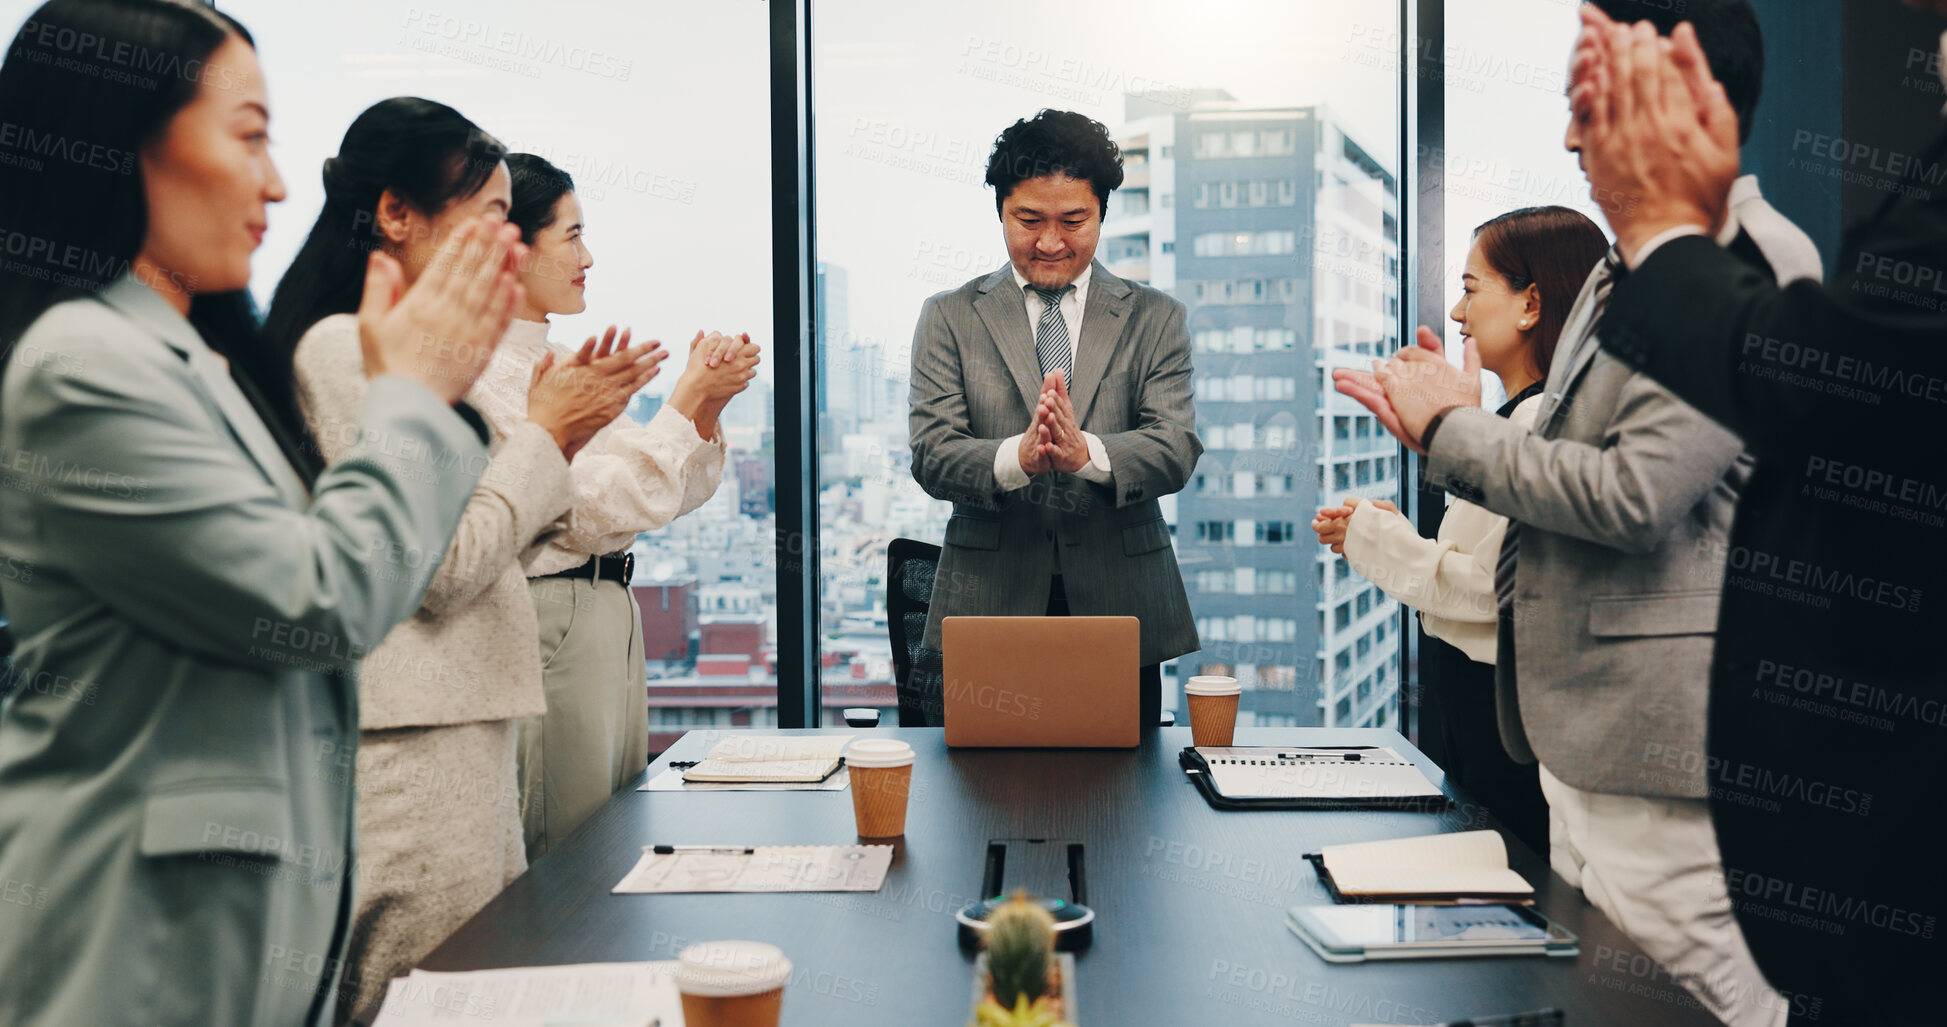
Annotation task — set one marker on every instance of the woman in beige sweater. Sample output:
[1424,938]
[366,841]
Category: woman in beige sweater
[438,810]
[1523,275]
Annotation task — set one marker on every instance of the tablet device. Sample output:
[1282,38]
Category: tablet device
[1356,933]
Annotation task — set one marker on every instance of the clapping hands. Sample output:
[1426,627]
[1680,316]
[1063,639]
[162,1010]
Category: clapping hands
[1333,521]
[1407,391]
[574,399]
[720,367]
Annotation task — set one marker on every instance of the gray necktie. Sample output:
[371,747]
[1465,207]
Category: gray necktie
[1051,335]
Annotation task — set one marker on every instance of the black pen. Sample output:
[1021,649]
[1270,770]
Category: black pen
[720,850]
[1550,1017]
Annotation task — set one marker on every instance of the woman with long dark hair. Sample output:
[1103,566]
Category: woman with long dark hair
[1523,274]
[438,807]
[175,764]
[630,478]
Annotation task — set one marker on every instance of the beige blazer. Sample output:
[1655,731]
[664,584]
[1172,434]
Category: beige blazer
[1448,578]
[467,654]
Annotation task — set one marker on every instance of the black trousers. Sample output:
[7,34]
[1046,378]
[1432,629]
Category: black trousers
[1149,679]
[1460,731]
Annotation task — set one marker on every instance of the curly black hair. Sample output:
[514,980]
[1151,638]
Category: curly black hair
[1055,142]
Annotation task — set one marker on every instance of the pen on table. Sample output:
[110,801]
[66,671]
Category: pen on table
[1550,1017]
[720,850]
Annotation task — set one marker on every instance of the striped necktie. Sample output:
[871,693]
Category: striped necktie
[1051,335]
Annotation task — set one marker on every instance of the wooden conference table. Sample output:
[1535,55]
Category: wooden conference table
[1190,901]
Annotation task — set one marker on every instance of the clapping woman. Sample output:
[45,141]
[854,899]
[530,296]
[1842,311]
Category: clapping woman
[1522,277]
[629,478]
[438,808]
[180,808]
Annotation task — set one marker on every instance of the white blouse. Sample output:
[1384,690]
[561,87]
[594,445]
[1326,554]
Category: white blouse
[629,478]
[1448,578]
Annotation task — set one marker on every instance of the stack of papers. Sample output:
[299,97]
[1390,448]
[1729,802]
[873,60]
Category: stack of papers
[771,758]
[765,868]
[584,994]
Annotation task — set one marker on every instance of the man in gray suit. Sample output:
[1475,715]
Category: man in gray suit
[1051,405]
[1620,502]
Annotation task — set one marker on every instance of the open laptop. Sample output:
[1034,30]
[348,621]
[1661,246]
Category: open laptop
[1042,682]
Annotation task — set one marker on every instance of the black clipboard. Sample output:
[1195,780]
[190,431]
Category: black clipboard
[1198,770]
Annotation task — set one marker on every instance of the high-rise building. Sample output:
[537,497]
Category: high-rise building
[833,326]
[1280,232]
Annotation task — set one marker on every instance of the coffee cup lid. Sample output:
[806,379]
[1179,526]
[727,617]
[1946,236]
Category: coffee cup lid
[730,969]
[879,752]
[1211,684]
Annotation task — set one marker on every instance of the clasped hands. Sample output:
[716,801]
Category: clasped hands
[1407,391]
[1054,439]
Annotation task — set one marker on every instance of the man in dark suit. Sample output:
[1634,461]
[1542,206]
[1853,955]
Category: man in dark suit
[1051,404]
[1828,713]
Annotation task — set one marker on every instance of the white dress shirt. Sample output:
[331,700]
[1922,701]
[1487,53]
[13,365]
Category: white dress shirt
[1746,211]
[629,478]
[1448,578]
[1007,461]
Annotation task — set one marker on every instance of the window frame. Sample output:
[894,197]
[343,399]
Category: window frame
[794,261]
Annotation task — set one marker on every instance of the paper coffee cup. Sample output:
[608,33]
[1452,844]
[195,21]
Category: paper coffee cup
[732,983]
[1213,708]
[882,776]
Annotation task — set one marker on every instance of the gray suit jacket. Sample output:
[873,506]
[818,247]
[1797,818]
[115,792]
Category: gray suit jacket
[176,764]
[1624,494]
[975,380]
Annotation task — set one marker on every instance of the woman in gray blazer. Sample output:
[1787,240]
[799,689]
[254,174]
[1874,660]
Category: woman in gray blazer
[439,820]
[176,763]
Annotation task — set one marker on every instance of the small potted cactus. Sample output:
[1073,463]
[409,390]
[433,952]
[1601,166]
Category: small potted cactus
[1022,982]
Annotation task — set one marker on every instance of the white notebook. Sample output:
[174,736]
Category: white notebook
[1297,772]
[772,758]
[1439,867]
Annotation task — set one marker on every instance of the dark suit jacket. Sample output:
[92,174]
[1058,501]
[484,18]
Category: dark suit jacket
[1828,713]
[975,379]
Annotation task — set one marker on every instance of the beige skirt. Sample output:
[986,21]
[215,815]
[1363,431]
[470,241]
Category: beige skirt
[439,834]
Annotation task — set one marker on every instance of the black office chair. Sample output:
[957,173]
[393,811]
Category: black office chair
[918,673]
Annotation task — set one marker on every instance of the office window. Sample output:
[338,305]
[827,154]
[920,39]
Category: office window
[664,178]
[1364,603]
[1342,617]
[1238,162]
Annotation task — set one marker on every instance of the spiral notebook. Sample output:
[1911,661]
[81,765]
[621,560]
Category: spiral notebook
[770,759]
[1310,777]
